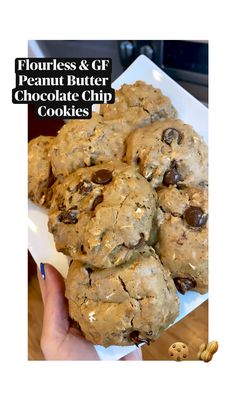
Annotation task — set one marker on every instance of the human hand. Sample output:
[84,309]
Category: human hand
[60,340]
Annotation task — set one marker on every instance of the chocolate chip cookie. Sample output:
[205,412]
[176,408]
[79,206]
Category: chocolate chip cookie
[138,104]
[167,153]
[101,215]
[40,177]
[82,143]
[183,236]
[124,305]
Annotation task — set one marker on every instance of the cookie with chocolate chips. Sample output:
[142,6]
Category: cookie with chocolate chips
[183,236]
[168,153]
[82,143]
[40,177]
[128,304]
[138,104]
[102,215]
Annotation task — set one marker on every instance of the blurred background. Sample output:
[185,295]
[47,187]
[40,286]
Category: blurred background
[184,61]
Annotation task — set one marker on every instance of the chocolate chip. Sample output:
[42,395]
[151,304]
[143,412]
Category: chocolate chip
[61,206]
[171,134]
[89,270]
[97,201]
[85,187]
[60,202]
[184,283]
[102,176]
[149,177]
[134,336]
[68,217]
[51,178]
[195,217]
[172,176]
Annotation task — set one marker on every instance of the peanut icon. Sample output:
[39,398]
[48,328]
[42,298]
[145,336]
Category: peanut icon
[206,351]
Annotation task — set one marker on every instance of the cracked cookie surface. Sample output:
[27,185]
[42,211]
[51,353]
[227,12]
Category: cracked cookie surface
[82,143]
[125,305]
[101,215]
[168,152]
[183,236]
[40,177]
[138,104]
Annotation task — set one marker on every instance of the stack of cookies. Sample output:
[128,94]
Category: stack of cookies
[127,199]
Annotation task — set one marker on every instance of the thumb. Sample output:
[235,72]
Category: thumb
[56,316]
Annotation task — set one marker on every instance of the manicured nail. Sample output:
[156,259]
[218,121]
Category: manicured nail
[42,270]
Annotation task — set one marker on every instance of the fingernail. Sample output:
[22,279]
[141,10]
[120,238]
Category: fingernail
[42,270]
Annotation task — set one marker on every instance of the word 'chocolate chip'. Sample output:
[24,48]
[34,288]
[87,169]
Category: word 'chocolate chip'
[171,134]
[102,176]
[68,217]
[134,336]
[97,201]
[172,176]
[195,217]
[184,283]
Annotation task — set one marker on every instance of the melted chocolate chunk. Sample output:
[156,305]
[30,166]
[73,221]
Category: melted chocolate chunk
[89,270]
[68,217]
[102,177]
[60,202]
[85,187]
[75,207]
[97,201]
[134,336]
[184,283]
[172,176]
[61,206]
[171,134]
[195,217]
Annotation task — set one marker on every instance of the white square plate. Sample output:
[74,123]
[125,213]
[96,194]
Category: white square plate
[190,110]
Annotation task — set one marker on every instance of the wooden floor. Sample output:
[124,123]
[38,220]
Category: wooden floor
[193,329]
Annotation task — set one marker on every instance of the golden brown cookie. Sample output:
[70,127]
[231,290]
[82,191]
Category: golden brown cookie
[125,305]
[40,177]
[167,153]
[138,104]
[183,236]
[82,143]
[101,215]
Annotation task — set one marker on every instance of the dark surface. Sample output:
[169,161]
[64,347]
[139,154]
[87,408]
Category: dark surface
[41,126]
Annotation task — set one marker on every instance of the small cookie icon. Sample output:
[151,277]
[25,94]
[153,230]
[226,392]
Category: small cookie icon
[206,351]
[178,351]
